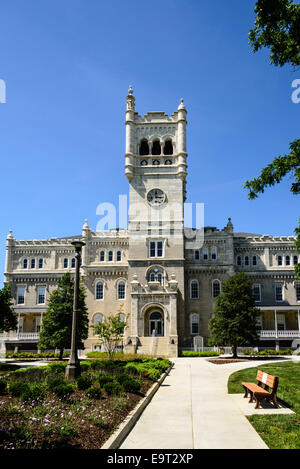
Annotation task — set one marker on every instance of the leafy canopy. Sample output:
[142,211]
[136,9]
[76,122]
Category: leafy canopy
[234,322]
[57,323]
[8,319]
[110,332]
[277,26]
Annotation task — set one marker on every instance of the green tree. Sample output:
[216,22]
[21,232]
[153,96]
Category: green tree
[277,26]
[110,332]
[56,327]
[8,319]
[234,319]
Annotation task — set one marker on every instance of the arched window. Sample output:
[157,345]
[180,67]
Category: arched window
[168,147]
[216,288]
[156,148]
[144,147]
[295,258]
[213,254]
[254,260]
[287,260]
[246,260]
[65,263]
[25,263]
[99,291]
[102,256]
[40,263]
[98,318]
[195,323]
[73,263]
[110,256]
[194,292]
[238,260]
[119,256]
[279,260]
[121,290]
[32,264]
[156,275]
[205,254]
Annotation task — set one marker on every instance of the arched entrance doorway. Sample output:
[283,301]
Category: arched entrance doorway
[156,324]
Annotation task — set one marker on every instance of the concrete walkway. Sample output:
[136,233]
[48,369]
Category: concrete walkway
[192,410]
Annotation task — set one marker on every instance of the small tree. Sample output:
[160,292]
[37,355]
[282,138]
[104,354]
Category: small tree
[57,325]
[234,322]
[110,332]
[8,319]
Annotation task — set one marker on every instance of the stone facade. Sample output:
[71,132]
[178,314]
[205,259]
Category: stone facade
[163,276]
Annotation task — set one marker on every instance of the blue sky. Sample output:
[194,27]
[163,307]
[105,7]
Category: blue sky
[67,66]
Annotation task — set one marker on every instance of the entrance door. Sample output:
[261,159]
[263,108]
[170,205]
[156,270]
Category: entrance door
[156,326]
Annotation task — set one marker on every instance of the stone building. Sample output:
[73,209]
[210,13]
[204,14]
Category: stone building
[165,276]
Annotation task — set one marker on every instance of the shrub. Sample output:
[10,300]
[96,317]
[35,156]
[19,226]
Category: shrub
[85,365]
[83,382]
[3,386]
[63,390]
[34,391]
[97,364]
[57,367]
[132,385]
[105,379]
[54,382]
[208,353]
[17,388]
[154,374]
[131,368]
[123,377]
[113,388]
[94,392]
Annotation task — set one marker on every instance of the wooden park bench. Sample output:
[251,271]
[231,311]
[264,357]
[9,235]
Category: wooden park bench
[266,388]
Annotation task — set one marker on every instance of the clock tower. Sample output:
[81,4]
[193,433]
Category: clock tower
[155,166]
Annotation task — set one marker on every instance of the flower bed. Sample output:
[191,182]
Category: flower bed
[39,409]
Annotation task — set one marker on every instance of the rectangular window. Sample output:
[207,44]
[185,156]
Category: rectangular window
[280,322]
[205,254]
[156,249]
[297,287]
[257,292]
[20,295]
[195,324]
[279,292]
[197,255]
[41,295]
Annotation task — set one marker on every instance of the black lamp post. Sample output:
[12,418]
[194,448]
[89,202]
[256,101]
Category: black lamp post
[73,367]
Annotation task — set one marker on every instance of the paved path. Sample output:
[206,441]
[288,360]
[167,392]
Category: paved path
[192,410]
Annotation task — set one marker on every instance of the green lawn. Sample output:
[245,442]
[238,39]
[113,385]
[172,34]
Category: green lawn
[278,431]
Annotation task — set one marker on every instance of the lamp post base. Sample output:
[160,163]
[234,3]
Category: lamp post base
[72,371]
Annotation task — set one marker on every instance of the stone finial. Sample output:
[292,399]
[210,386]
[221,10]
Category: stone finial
[229,225]
[10,235]
[130,91]
[85,226]
[181,105]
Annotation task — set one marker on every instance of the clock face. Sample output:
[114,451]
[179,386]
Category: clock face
[156,197]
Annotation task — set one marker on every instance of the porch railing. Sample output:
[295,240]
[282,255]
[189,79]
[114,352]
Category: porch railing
[13,336]
[279,334]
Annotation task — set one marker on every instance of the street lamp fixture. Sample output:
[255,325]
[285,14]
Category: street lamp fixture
[73,367]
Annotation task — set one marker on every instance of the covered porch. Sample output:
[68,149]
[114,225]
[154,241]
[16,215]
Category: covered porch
[279,323]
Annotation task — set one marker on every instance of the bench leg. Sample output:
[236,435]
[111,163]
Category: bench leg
[275,402]
[257,406]
[251,396]
[246,391]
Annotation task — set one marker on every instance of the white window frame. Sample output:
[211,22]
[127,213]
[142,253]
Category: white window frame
[97,283]
[24,294]
[156,248]
[212,288]
[118,293]
[197,255]
[198,287]
[214,251]
[259,287]
[38,295]
[193,315]
[282,292]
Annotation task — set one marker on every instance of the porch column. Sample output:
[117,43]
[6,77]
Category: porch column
[19,315]
[299,321]
[276,329]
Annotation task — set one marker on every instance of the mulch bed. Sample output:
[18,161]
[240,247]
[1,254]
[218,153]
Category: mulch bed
[23,425]
[222,361]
